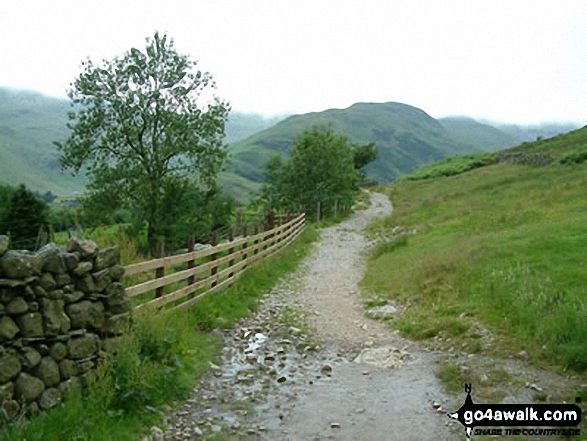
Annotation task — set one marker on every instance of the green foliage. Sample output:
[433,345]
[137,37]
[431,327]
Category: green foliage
[451,166]
[320,169]
[364,155]
[577,157]
[501,244]
[23,216]
[143,136]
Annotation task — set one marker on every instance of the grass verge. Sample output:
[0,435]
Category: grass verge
[504,244]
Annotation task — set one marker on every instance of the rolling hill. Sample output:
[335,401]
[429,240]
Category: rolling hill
[407,138]
[30,122]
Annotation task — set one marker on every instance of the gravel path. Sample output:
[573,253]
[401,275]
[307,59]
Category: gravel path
[310,366]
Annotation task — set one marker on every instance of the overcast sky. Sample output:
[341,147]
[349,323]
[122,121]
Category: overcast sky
[516,61]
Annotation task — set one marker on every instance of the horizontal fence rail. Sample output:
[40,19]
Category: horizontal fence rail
[208,270]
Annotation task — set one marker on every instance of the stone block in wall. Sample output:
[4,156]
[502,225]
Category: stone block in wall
[69,386]
[117,301]
[4,242]
[51,259]
[30,324]
[17,306]
[86,284]
[82,347]
[8,329]
[58,351]
[62,280]
[47,282]
[116,272]
[55,321]
[10,409]
[86,314]
[82,268]
[70,260]
[29,357]
[27,387]
[73,297]
[6,293]
[102,279]
[50,398]
[68,368]
[15,283]
[106,258]
[20,264]
[87,248]
[117,324]
[56,294]
[112,344]
[48,371]
[6,391]
[9,366]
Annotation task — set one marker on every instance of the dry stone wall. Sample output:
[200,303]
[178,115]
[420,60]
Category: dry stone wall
[61,310]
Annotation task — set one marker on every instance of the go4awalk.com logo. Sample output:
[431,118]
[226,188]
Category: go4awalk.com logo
[518,419]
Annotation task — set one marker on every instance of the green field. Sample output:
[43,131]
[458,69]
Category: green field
[502,243]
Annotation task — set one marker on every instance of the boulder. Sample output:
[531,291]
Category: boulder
[106,258]
[8,329]
[27,387]
[9,367]
[51,259]
[48,371]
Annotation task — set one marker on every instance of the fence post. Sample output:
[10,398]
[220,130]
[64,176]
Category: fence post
[245,246]
[318,211]
[230,234]
[214,256]
[256,241]
[191,263]
[160,272]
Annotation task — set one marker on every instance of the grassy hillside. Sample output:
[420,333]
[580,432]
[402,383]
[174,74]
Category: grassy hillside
[483,136]
[406,136]
[502,243]
[29,123]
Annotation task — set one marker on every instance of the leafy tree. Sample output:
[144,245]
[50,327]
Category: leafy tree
[142,125]
[363,155]
[320,168]
[24,217]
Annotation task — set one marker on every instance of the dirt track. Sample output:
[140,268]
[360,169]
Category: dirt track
[360,382]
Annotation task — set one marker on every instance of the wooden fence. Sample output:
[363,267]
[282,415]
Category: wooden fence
[212,269]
